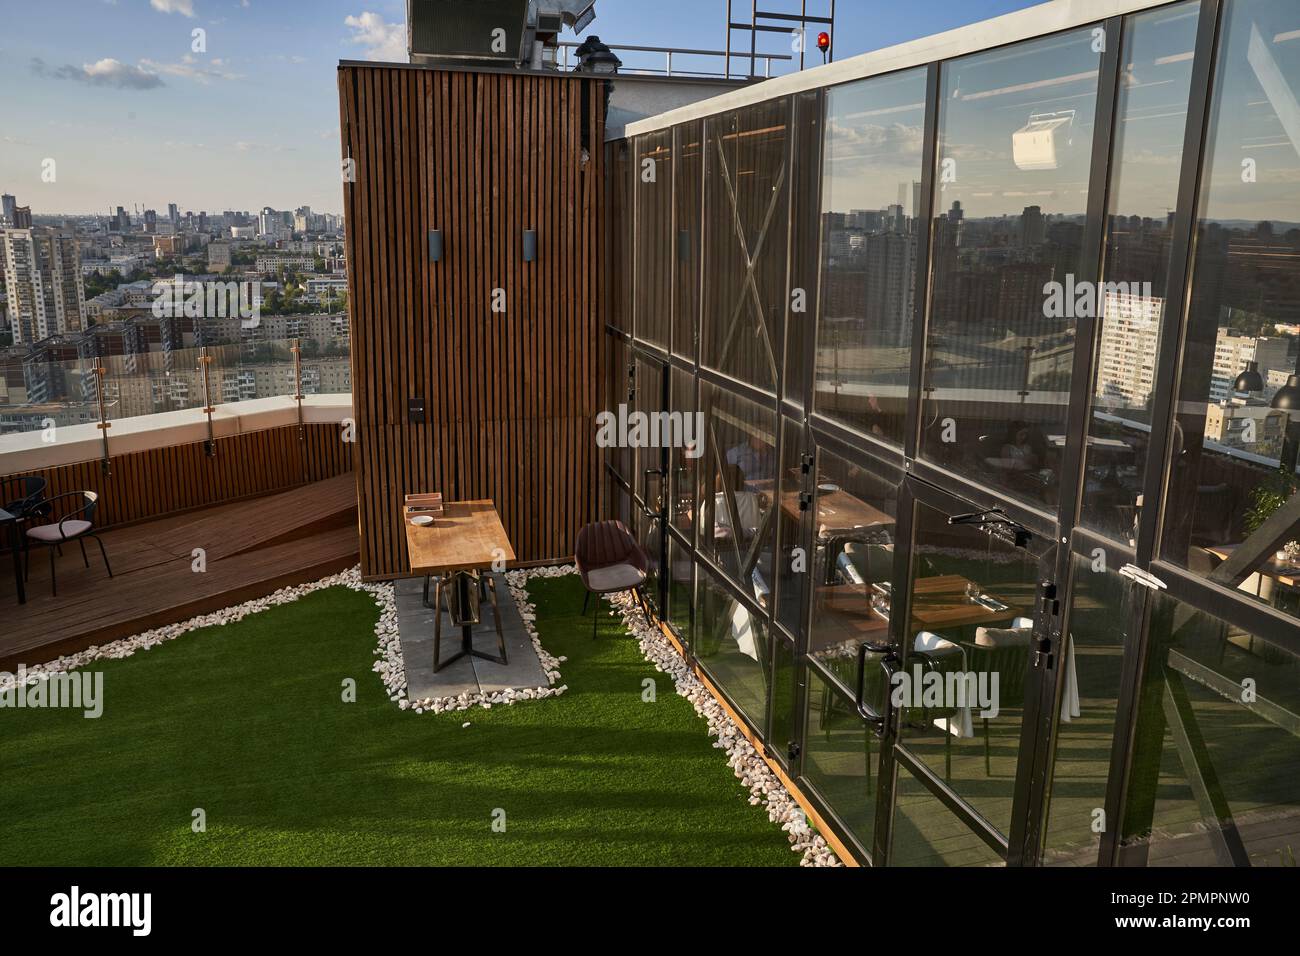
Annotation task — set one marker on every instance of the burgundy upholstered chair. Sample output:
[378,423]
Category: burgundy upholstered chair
[609,560]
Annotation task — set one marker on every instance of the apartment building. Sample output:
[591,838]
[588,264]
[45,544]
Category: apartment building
[42,269]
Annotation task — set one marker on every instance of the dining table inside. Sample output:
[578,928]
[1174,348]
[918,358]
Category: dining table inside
[844,612]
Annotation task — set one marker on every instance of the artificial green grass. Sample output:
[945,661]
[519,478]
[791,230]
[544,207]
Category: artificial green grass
[247,722]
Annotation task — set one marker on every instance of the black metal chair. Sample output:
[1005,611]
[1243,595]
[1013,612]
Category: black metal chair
[23,496]
[76,525]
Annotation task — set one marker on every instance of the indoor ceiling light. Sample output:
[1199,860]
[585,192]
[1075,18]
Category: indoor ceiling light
[1033,146]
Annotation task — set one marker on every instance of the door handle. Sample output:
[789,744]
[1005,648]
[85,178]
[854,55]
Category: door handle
[645,492]
[887,662]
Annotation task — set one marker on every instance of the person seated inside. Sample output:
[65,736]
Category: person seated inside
[1018,452]
[755,458]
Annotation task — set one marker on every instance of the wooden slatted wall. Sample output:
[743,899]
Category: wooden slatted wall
[510,398]
[163,481]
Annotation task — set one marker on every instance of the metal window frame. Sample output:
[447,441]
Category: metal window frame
[1024,845]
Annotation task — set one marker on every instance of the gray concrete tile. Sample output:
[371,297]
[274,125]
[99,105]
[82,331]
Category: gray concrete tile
[467,675]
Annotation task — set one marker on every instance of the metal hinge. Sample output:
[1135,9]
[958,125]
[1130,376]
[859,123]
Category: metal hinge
[805,499]
[806,463]
[1144,578]
[792,751]
[1048,625]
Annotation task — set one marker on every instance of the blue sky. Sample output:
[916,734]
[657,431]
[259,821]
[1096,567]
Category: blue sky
[113,92]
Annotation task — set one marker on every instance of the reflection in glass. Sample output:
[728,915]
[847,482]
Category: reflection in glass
[745,196]
[737,520]
[1011,191]
[1099,621]
[842,758]
[1217,755]
[681,590]
[618,456]
[926,833]
[684,460]
[622,238]
[972,600]
[688,185]
[730,642]
[852,563]
[781,723]
[792,584]
[1233,514]
[1150,116]
[870,201]
[804,247]
[654,247]
[650,486]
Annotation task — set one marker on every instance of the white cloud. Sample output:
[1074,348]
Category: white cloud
[105,72]
[191,69]
[382,41]
[184,7]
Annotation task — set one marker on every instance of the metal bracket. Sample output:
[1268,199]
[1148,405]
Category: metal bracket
[1047,628]
[995,522]
[1144,578]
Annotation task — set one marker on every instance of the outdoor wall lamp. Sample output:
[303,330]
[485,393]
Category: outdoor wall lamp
[435,245]
[530,245]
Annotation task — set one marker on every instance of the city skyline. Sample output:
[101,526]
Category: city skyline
[114,93]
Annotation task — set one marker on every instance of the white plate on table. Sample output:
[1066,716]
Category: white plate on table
[422,521]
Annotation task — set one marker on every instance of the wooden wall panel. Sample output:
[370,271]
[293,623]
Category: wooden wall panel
[510,399]
[163,481]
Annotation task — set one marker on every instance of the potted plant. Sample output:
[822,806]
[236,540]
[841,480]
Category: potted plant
[1265,499]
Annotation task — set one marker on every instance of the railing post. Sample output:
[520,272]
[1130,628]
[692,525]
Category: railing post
[670,62]
[105,464]
[297,397]
[297,385]
[205,360]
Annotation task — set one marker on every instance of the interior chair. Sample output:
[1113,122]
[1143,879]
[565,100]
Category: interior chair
[865,563]
[1005,652]
[937,653]
[77,523]
[609,561]
[749,508]
[835,709]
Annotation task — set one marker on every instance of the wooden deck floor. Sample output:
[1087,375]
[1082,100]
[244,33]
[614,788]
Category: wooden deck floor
[251,548]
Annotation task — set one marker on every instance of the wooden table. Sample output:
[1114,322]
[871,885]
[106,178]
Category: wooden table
[16,546]
[837,511]
[938,602]
[465,539]
[1283,573]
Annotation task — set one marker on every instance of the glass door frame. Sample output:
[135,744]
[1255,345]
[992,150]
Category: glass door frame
[1042,683]
[652,461]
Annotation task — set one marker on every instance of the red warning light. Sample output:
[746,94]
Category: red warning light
[823,41]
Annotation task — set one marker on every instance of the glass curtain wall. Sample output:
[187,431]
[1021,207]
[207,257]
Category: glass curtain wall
[995,367]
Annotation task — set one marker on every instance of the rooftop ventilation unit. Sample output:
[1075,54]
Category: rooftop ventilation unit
[519,33]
